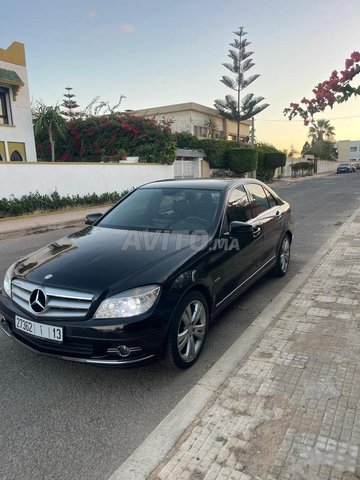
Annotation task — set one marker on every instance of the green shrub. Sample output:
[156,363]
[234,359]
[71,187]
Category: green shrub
[267,157]
[222,173]
[274,160]
[215,150]
[241,160]
[186,140]
[302,168]
[107,135]
[35,202]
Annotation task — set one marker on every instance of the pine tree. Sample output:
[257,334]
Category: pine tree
[69,104]
[239,109]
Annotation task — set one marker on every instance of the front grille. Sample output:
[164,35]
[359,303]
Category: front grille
[59,302]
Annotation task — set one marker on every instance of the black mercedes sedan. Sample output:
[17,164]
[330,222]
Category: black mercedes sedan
[145,279]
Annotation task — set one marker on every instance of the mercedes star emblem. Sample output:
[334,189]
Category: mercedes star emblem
[37,300]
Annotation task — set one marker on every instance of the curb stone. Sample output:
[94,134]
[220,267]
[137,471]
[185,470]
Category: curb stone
[45,222]
[40,229]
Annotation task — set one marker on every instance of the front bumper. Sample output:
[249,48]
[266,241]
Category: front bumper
[91,341]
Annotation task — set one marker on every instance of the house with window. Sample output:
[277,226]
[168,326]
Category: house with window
[17,141]
[193,117]
[348,150]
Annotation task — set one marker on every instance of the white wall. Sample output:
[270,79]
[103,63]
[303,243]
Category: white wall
[22,130]
[323,166]
[72,178]
[326,166]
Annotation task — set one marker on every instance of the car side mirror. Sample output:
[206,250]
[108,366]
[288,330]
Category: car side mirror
[240,228]
[92,218]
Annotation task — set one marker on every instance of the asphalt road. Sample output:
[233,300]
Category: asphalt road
[64,421]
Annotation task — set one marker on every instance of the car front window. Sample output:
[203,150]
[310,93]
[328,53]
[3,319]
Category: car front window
[170,209]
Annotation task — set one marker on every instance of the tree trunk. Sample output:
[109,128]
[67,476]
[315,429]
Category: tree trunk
[52,145]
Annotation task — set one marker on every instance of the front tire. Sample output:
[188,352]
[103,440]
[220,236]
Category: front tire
[187,331]
[283,258]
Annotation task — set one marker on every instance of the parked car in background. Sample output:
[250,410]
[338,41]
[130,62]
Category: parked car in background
[146,278]
[357,166]
[353,167]
[344,167]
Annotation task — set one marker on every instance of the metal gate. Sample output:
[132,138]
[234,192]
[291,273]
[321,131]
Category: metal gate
[184,168]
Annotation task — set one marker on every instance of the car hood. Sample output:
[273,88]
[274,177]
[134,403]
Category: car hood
[98,260]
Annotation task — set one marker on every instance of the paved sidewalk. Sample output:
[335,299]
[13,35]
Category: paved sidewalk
[291,409]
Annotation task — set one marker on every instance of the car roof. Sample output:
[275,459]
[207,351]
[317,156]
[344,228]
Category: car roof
[201,183]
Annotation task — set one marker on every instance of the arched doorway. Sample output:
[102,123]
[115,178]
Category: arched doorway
[16,157]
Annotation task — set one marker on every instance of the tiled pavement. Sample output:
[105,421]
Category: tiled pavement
[291,410]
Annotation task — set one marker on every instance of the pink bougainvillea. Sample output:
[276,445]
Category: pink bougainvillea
[66,157]
[336,89]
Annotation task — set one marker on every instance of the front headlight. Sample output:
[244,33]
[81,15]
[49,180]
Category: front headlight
[8,278]
[128,304]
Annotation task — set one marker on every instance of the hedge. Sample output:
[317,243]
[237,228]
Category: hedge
[274,160]
[302,168]
[146,138]
[35,202]
[242,160]
[266,155]
[186,140]
[215,150]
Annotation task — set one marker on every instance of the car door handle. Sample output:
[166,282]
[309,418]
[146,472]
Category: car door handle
[256,232]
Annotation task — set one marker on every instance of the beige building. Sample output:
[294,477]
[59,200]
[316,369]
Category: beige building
[192,117]
[348,150]
[17,141]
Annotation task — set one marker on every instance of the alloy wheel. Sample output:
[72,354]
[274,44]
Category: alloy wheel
[191,331]
[285,254]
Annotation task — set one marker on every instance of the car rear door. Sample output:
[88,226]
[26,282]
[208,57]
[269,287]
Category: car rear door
[268,217]
[237,257]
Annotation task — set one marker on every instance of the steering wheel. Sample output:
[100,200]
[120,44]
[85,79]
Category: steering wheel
[186,222]
[199,219]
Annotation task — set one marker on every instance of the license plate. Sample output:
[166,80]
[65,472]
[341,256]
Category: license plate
[50,332]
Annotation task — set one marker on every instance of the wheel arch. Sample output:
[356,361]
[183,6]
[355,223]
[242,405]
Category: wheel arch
[289,234]
[205,292]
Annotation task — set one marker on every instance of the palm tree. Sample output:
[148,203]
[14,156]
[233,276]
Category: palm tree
[321,130]
[211,126]
[49,120]
[291,152]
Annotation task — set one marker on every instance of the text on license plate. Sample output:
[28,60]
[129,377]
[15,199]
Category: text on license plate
[41,330]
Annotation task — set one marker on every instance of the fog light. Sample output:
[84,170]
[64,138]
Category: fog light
[123,351]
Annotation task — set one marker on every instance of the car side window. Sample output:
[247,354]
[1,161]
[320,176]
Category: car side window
[238,206]
[258,199]
[272,201]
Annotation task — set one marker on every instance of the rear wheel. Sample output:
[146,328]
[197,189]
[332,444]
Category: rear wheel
[188,331]
[283,258]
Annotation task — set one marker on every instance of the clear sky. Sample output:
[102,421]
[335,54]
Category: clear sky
[160,52]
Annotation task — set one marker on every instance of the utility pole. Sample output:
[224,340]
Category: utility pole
[252,140]
[252,132]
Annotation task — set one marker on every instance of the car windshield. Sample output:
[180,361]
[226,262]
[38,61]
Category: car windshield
[170,209]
